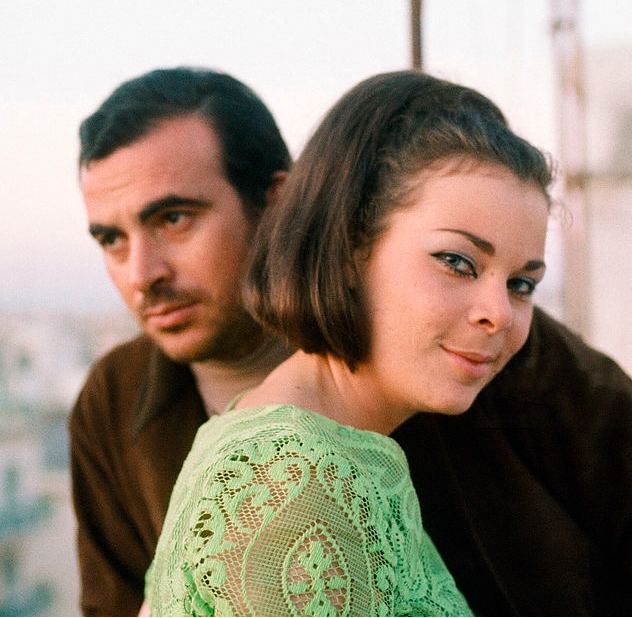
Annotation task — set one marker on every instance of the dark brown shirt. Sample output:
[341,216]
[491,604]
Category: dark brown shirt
[527,496]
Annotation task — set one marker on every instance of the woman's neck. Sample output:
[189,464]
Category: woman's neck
[327,386]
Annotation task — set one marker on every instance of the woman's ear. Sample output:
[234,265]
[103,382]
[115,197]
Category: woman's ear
[354,268]
[272,192]
[350,273]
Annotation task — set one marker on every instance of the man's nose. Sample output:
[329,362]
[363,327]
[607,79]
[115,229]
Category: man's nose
[147,264]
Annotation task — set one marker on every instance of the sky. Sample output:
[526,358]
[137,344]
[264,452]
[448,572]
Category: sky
[59,60]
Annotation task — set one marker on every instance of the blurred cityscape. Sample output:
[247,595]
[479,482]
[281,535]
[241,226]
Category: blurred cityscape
[44,360]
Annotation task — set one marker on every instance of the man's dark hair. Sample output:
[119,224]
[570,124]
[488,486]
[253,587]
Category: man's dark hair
[359,166]
[252,146]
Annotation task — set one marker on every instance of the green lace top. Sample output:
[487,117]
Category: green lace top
[282,511]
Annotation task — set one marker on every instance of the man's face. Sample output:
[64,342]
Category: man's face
[174,237]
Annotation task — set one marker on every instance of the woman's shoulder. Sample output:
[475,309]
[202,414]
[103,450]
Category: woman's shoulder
[281,435]
[284,490]
[288,427]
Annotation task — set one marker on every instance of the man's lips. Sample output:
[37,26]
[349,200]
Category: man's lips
[473,364]
[165,316]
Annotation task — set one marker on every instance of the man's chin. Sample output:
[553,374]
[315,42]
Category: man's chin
[182,348]
[189,346]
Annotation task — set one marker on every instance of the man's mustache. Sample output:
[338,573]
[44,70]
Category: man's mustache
[163,293]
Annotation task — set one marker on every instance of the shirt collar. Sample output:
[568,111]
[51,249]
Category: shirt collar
[165,381]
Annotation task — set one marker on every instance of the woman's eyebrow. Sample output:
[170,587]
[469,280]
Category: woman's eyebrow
[483,245]
[534,265]
[487,247]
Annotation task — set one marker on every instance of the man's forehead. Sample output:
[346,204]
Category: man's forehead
[181,156]
[169,142]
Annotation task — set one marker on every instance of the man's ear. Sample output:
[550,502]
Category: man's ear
[272,192]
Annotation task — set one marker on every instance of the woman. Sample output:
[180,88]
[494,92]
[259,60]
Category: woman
[400,262]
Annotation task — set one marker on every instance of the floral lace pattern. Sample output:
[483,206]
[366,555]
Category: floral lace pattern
[281,511]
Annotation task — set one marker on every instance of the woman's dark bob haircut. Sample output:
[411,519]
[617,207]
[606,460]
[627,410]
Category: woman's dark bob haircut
[302,283]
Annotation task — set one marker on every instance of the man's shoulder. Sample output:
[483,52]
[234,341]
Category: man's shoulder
[116,379]
[549,337]
[125,364]
[554,356]
[134,352]
[137,380]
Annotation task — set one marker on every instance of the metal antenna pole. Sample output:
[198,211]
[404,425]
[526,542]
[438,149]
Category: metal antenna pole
[415,34]
[572,135]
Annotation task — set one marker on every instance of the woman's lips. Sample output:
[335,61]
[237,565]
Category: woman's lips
[474,365]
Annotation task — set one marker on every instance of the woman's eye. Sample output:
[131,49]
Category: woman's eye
[522,286]
[457,263]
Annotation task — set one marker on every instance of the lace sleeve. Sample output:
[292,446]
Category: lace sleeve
[295,528]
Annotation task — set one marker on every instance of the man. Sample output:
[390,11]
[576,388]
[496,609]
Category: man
[176,167]
[527,496]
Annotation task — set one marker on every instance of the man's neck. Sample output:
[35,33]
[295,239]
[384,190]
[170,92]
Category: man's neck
[219,382]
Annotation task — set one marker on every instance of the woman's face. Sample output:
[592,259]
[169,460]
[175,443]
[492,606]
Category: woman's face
[448,286]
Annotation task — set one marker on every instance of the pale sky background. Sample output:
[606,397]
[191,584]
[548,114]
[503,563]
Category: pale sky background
[60,59]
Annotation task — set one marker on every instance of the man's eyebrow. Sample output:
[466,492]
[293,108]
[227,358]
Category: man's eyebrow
[97,229]
[153,207]
[169,201]
[483,245]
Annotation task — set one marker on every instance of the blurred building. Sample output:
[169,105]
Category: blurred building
[44,360]
[24,512]
[609,192]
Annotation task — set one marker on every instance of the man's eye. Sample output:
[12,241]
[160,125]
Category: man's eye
[458,264]
[175,217]
[108,240]
[522,286]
